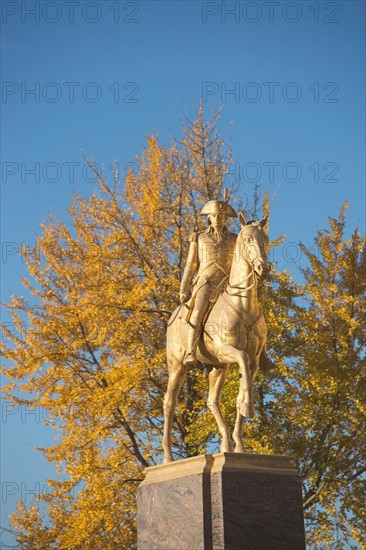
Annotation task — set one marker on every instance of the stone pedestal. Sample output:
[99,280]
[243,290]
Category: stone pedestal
[228,501]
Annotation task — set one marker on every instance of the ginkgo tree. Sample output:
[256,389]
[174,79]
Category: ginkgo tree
[93,355]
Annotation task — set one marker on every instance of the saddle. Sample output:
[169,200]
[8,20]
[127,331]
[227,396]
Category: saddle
[265,363]
[213,299]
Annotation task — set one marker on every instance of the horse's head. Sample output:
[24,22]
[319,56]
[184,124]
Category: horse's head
[253,245]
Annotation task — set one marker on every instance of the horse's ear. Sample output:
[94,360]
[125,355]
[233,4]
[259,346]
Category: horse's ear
[264,220]
[242,219]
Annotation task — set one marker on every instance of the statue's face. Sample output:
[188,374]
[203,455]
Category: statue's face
[217,221]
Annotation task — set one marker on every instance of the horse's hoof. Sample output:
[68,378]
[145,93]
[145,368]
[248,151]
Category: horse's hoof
[247,410]
[168,460]
[227,449]
[240,449]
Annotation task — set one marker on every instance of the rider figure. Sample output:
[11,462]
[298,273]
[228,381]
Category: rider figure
[208,264]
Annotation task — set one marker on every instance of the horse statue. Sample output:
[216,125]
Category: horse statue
[234,333]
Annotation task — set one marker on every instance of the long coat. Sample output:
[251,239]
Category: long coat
[209,259]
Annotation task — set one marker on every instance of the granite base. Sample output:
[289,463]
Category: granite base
[228,501]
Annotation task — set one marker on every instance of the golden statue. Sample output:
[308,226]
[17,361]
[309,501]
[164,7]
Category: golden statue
[222,270]
[208,266]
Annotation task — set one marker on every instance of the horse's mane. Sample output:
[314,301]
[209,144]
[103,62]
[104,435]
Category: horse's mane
[254,222]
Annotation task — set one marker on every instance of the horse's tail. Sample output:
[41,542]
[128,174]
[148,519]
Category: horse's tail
[265,363]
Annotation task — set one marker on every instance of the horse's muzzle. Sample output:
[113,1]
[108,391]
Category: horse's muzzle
[261,269]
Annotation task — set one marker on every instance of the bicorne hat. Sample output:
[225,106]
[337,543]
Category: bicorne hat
[218,207]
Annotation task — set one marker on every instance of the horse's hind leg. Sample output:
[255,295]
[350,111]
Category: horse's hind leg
[175,382]
[216,382]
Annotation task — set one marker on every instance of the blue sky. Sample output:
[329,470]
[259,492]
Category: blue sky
[111,72]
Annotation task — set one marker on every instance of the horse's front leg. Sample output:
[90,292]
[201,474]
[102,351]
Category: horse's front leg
[238,430]
[240,404]
[175,382]
[245,400]
[216,382]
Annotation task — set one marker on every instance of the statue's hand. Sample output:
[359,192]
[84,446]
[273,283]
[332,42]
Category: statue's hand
[184,295]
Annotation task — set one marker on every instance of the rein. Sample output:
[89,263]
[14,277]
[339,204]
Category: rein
[239,285]
[239,316]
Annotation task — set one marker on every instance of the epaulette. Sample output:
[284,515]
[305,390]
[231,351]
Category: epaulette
[193,238]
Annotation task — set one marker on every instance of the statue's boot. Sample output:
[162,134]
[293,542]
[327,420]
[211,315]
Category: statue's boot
[190,358]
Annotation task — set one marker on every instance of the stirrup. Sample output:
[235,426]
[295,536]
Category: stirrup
[189,358]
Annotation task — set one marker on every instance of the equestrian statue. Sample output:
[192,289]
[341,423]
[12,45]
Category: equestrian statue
[219,322]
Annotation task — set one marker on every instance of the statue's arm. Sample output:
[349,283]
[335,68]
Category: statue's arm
[191,268]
